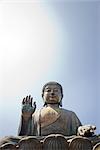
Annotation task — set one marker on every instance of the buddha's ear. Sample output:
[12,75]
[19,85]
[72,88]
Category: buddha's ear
[43,100]
[60,103]
[62,97]
[42,95]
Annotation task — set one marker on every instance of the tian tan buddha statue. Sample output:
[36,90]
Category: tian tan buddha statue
[52,118]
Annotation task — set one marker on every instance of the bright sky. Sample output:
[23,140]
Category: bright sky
[43,41]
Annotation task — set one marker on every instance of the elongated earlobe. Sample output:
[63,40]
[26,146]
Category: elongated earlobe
[60,103]
[42,95]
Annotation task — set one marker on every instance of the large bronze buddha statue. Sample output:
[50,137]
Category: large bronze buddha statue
[49,119]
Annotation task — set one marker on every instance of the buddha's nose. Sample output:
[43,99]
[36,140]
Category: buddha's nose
[52,93]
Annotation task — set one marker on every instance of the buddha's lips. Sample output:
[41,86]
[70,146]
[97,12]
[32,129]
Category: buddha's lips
[52,96]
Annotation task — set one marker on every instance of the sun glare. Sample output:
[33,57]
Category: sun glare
[28,44]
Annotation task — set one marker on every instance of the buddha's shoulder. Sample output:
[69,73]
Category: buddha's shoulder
[46,109]
[66,111]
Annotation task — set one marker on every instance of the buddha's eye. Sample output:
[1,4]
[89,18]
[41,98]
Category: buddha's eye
[48,90]
[55,90]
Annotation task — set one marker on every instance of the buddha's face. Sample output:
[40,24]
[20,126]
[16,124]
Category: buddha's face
[52,94]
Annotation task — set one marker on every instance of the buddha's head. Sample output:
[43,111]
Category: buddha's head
[52,93]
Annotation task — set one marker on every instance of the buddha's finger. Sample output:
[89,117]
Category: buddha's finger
[23,101]
[26,101]
[31,101]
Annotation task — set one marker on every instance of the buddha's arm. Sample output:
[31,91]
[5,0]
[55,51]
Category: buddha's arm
[25,127]
[75,123]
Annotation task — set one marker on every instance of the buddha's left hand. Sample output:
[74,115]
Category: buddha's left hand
[86,130]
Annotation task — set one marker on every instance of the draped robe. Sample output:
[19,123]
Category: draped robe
[50,120]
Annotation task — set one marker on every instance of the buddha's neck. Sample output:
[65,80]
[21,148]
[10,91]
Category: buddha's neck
[53,105]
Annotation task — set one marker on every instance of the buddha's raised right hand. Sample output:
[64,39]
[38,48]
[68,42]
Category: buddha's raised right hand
[27,107]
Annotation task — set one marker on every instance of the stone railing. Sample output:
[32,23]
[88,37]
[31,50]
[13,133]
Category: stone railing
[50,142]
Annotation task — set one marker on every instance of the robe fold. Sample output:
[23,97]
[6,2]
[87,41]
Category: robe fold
[50,121]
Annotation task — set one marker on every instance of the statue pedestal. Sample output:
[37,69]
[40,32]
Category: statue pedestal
[50,142]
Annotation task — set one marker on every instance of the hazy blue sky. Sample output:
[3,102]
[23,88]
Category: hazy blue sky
[43,41]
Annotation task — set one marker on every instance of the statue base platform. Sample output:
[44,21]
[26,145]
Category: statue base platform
[50,142]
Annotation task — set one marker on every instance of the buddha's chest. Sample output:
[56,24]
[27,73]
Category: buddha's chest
[48,115]
[53,121]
